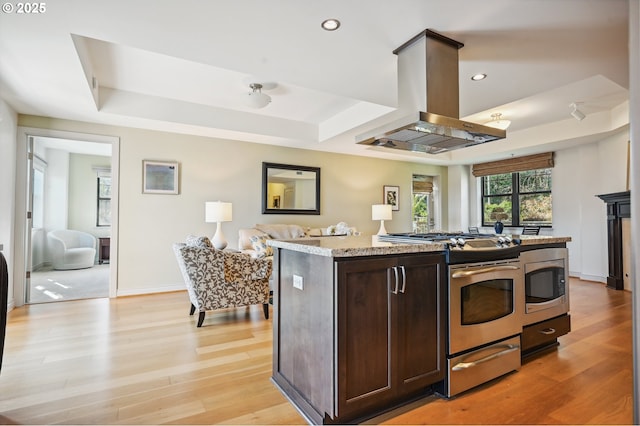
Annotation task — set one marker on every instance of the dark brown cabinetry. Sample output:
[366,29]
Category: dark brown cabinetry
[373,337]
[390,341]
[544,334]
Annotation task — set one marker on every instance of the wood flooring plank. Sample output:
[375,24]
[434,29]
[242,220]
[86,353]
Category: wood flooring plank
[142,360]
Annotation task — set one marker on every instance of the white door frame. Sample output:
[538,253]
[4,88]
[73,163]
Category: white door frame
[21,223]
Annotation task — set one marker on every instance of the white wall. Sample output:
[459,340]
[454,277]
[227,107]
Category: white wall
[213,169]
[56,190]
[578,176]
[459,195]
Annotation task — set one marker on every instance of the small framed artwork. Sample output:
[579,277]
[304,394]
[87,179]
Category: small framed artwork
[159,177]
[392,196]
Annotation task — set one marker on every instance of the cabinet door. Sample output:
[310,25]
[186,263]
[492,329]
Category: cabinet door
[420,323]
[364,338]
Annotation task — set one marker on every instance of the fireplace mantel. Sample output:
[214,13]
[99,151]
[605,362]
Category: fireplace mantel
[618,207]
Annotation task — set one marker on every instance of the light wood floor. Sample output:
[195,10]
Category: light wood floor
[141,360]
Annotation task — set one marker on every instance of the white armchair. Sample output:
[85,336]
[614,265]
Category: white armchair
[71,249]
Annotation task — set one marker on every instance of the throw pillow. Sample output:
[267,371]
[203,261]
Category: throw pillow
[259,244]
[195,241]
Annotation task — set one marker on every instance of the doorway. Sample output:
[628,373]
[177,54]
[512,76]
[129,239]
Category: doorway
[70,190]
[70,183]
[424,191]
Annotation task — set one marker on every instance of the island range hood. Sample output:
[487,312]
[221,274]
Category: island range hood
[428,82]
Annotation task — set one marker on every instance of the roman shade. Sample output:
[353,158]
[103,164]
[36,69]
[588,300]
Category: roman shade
[421,187]
[511,165]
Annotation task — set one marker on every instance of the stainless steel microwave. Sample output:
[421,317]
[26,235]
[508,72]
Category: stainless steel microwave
[546,284]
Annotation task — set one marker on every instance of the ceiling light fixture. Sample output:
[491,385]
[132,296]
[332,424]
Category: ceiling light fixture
[478,77]
[497,122]
[330,24]
[257,99]
[576,113]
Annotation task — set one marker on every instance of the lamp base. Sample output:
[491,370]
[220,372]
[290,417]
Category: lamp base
[382,230]
[219,241]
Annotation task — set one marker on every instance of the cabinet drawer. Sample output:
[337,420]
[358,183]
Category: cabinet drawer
[545,332]
[482,365]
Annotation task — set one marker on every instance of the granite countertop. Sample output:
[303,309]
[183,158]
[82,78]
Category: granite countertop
[526,240]
[368,245]
[351,246]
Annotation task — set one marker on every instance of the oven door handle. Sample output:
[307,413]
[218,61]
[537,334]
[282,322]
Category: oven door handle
[462,274]
[464,365]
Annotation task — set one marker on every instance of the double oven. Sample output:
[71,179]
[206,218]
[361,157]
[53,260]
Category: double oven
[492,302]
[499,293]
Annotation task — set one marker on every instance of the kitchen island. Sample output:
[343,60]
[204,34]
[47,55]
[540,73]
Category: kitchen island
[360,325]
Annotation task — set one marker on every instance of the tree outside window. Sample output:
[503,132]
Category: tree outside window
[517,199]
[420,211]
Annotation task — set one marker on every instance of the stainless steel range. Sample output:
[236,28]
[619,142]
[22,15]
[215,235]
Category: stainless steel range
[463,247]
[485,306]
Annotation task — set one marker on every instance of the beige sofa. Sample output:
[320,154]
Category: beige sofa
[252,241]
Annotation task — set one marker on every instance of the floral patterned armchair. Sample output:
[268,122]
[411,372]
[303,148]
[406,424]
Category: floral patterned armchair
[217,279]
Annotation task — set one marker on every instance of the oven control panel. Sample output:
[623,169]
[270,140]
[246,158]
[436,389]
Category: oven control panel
[460,243]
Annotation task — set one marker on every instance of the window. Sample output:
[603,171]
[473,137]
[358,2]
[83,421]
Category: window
[517,199]
[104,199]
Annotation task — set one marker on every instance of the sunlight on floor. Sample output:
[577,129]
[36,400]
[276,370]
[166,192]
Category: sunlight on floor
[48,285]
[53,295]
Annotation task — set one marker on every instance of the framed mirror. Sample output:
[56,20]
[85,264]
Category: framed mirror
[288,189]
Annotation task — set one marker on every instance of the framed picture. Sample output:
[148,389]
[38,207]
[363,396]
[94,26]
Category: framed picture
[159,177]
[392,196]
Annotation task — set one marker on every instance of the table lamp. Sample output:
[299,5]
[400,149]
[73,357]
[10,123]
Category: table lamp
[218,212]
[381,212]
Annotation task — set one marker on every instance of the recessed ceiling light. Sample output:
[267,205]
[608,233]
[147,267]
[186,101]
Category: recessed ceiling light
[478,77]
[330,24]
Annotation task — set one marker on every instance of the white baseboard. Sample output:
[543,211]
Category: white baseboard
[151,290]
[587,277]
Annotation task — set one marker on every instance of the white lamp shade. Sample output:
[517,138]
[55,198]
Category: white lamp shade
[381,212]
[217,211]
